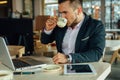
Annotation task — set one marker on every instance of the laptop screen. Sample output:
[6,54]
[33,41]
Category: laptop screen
[5,57]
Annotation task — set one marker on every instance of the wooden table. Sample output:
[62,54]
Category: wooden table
[102,69]
[113,33]
[16,50]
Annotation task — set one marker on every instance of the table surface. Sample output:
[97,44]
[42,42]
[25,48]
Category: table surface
[112,30]
[113,44]
[102,69]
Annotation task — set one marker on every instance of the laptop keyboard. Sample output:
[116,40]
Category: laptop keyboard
[18,63]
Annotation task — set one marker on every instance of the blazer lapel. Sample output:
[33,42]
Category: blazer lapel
[62,34]
[80,34]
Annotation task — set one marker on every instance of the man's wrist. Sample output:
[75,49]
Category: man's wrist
[48,32]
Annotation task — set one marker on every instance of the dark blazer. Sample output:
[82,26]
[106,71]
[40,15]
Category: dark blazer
[89,44]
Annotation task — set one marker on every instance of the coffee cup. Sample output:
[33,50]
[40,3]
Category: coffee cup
[61,22]
[6,75]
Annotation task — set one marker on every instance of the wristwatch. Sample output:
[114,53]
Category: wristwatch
[68,58]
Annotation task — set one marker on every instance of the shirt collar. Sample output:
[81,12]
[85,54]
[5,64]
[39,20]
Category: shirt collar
[79,24]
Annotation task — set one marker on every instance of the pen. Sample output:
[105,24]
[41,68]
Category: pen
[24,73]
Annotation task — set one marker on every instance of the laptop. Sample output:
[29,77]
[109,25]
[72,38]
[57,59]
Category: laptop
[18,64]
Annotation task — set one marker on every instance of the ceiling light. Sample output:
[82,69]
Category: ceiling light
[3,2]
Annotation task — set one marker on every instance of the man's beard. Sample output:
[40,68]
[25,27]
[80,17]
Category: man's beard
[74,23]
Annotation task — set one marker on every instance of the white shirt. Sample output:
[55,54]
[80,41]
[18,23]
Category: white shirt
[68,45]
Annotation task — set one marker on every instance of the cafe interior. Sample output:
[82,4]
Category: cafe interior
[21,24]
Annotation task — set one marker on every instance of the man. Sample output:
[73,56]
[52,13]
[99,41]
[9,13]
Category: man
[81,40]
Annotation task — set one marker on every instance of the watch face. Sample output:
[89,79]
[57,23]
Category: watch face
[68,58]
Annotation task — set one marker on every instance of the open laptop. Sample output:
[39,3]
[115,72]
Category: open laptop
[17,64]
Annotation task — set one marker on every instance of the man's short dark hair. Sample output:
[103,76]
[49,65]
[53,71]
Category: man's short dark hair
[71,1]
[74,3]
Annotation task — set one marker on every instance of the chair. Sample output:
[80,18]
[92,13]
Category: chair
[16,50]
[39,25]
[40,22]
[115,56]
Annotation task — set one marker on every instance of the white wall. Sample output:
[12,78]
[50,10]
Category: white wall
[38,7]
[17,5]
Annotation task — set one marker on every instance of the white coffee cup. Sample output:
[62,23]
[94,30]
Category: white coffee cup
[61,22]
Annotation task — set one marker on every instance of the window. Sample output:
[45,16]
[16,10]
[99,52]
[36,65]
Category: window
[28,10]
[112,13]
[92,7]
[50,6]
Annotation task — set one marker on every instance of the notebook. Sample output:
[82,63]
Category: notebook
[27,62]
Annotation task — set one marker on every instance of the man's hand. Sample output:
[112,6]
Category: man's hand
[51,23]
[60,58]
